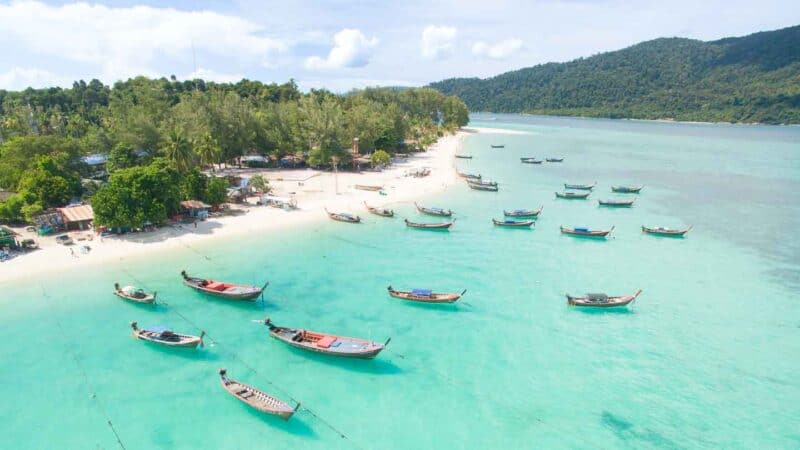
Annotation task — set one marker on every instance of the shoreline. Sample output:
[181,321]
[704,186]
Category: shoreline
[632,119]
[317,191]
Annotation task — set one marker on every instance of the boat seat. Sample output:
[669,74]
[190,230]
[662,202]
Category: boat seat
[326,342]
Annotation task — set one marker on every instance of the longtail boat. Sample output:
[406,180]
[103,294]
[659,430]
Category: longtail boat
[385,212]
[425,295]
[463,156]
[483,187]
[229,291]
[627,189]
[602,300]
[343,217]
[523,212]
[586,232]
[469,176]
[163,336]
[430,226]
[662,231]
[134,294]
[530,160]
[434,211]
[498,145]
[328,344]
[580,187]
[572,195]
[616,203]
[554,159]
[482,182]
[256,398]
[513,223]
[367,187]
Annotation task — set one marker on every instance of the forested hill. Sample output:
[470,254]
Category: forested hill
[754,78]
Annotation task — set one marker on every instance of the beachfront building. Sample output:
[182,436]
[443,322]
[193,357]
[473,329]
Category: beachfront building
[195,209]
[77,217]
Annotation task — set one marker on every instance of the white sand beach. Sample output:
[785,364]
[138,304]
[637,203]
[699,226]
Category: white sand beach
[313,190]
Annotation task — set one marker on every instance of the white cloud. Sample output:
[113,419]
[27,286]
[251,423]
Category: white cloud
[499,50]
[438,42]
[124,42]
[212,75]
[19,78]
[351,49]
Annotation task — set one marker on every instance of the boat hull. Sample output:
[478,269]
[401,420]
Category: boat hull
[522,213]
[311,347]
[149,299]
[189,342]
[666,233]
[572,196]
[258,399]
[243,297]
[429,226]
[433,299]
[513,224]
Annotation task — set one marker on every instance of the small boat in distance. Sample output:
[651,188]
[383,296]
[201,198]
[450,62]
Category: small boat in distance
[134,294]
[616,203]
[602,300]
[530,160]
[572,195]
[463,156]
[469,176]
[498,145]
[578,231]
[580,187]
[523,212]
[229,291]
[343,217]
[425,295]
[434,211]
[430,226]
[627,189]
[256,398]
[384,212]
[554,159]
[513,223]
[367,187]
[662,231]
[328,344]
[163,336]
[483,186]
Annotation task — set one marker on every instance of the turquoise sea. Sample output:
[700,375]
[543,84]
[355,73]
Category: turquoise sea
[707,357]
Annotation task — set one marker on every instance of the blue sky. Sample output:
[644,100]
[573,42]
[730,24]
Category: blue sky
[343,44]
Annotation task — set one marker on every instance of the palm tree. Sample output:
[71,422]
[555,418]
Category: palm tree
[208,150]
[178,149]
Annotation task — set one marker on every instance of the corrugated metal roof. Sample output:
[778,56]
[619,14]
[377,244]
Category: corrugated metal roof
[78,213]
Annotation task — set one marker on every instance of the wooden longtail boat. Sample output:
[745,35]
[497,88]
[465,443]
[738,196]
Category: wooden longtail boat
[469,176]
[572,195]
[530,160]
[328,344]
[523,212]
[384,212]
[134,294]
[464,156]
[498,145]
[430,226]
[434,211]
[256,398]
[483,186]
[661,231]
[425,295]
[627,189]
[229,291]
[554,159]
[580,187]
[343,217]
[482,182]
[163,336]
[366,187]
[602,300]
[513,223]
[586,232]
[616,203]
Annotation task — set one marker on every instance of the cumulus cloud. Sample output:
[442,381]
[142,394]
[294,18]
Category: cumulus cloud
[212,75]
[350,49]
[438,42]
[18,78]
[499,50]
[125,41]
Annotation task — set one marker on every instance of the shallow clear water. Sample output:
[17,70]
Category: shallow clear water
[708,356]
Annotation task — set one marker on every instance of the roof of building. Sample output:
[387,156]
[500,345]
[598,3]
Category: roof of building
[194,204]
[95,159]
[78,213]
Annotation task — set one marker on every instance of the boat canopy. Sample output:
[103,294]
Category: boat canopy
[156,329]
[597,297]
[581,230]
[421,292]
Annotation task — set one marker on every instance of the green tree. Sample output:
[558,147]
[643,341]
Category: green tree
[216,191]
[48,185]
[259,183]
[11,209]
[178,150]
[380,158]
[193,185]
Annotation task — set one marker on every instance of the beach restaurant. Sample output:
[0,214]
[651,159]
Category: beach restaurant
[77,217]
[195,208]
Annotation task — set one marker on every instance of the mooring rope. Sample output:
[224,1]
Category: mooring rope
[86,380]
[250,367]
